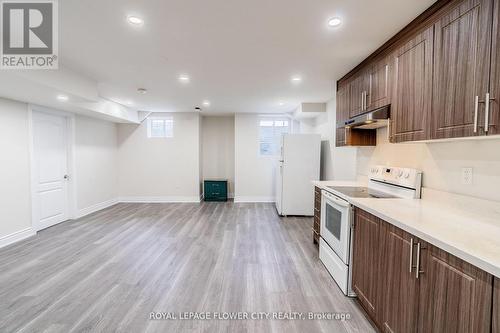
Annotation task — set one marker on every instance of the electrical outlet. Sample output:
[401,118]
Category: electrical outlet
[467,176]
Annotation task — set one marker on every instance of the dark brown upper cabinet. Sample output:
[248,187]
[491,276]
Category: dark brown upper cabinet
[412,89]
[343,104]
[378,92]
[346,136]
[342,114]
[359,88]
[462,44]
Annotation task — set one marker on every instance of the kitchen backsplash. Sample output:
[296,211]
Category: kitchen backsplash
[441,163]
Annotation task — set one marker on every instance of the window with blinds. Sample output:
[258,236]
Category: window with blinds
[270,132]
[160,127]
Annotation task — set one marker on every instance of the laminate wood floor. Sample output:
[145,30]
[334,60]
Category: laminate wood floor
[108,271]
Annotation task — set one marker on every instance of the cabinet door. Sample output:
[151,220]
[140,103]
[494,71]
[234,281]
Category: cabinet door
[340,137]
[317,215]
[342,110]
[358,89]
[494,117]
[401,289]
[462,66]
[378,94]
[366,272]
[342,114]
[496,306]
[455,296]
[412,92]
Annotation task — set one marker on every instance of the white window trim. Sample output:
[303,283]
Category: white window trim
[273,117]
[166,118]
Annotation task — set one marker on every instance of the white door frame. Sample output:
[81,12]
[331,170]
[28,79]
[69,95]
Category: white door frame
[70,130]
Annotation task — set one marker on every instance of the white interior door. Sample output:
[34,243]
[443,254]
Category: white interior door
[50,168]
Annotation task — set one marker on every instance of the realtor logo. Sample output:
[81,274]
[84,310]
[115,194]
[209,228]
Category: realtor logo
[29,36]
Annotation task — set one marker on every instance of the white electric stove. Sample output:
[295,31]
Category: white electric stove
[337,215]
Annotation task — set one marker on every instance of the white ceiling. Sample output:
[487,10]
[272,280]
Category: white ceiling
[239,54]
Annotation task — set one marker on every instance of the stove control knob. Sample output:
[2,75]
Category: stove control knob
[400,173]
[407,174]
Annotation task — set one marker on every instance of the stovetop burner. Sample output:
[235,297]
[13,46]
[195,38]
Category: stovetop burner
[361,192]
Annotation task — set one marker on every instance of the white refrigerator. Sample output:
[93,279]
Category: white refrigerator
[298,166]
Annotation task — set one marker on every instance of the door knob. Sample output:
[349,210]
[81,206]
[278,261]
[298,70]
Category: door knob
[66,177]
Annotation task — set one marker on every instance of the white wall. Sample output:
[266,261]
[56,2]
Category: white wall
[336,163]
[160,169]
[96,160]
[15,173]
[218,149]
[441,163]
[253,174]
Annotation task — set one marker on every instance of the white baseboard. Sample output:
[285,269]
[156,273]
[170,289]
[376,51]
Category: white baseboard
[242,199]
[159,199]
[16,236]
[95,208]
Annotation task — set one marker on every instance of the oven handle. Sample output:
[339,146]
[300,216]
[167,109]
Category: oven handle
[336,200]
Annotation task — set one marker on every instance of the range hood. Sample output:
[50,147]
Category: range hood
[370,120]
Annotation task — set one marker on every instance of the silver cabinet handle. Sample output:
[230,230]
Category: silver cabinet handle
[417,268]
[411,254]
[487,113]
[476,109]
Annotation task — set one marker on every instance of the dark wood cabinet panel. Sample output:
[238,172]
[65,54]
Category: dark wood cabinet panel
[379,92]
[446,295]
[412,89]
[455,296]
[358,91]
[494,117]
[360,137]
[400,312]
[340,137]
[317,215]
[461,69]
[342,114]
[496,306]
[366,273]
[342,104]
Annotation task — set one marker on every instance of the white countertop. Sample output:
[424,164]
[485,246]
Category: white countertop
[466,227]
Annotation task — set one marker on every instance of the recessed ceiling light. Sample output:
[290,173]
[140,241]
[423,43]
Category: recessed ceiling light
[62,98]
[281,103]
[129,103]
[334,22]
[206,103]
[142,91]
[134,20]
[184,78]
[296,79]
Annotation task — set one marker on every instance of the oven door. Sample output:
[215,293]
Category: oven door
[335,224]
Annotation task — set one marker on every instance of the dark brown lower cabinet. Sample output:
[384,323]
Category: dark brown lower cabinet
[408,285]
[317,215]
[366,265]
[496,306]
[455,296]
[401,290]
